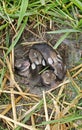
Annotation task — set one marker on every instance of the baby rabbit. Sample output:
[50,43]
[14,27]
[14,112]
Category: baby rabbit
[36,58]
[48,78]
[22,67]
[50,57]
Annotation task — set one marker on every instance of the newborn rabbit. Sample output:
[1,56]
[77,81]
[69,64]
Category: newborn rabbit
[51,58]
[36,58]
[22,67]
[48,78]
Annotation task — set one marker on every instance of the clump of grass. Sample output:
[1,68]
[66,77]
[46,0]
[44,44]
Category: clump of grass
[63,13]
[57,112]
[54,110]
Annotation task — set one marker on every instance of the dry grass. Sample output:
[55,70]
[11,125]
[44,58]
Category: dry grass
[59,108]
[53,111]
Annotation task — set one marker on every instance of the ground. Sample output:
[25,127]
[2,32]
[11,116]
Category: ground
[70,50]
[61,100]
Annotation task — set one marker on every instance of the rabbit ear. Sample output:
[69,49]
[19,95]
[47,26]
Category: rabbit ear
[60,70]
[22,65]
[35,56]
[48,77]
[37,62]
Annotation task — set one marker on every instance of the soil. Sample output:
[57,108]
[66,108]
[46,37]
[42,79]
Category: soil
[70,50]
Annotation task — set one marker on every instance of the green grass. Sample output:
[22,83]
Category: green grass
[15,16]
[65,14]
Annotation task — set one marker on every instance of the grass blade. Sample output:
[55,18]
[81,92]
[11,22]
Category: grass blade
[23,8]
[3,26]
[77,3]
[60,40]
[1,77]
[17,36]
[63,120]
[64,31]
[42,2]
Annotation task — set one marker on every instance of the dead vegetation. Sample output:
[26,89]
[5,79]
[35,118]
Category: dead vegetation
[55,110]
[59,108]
